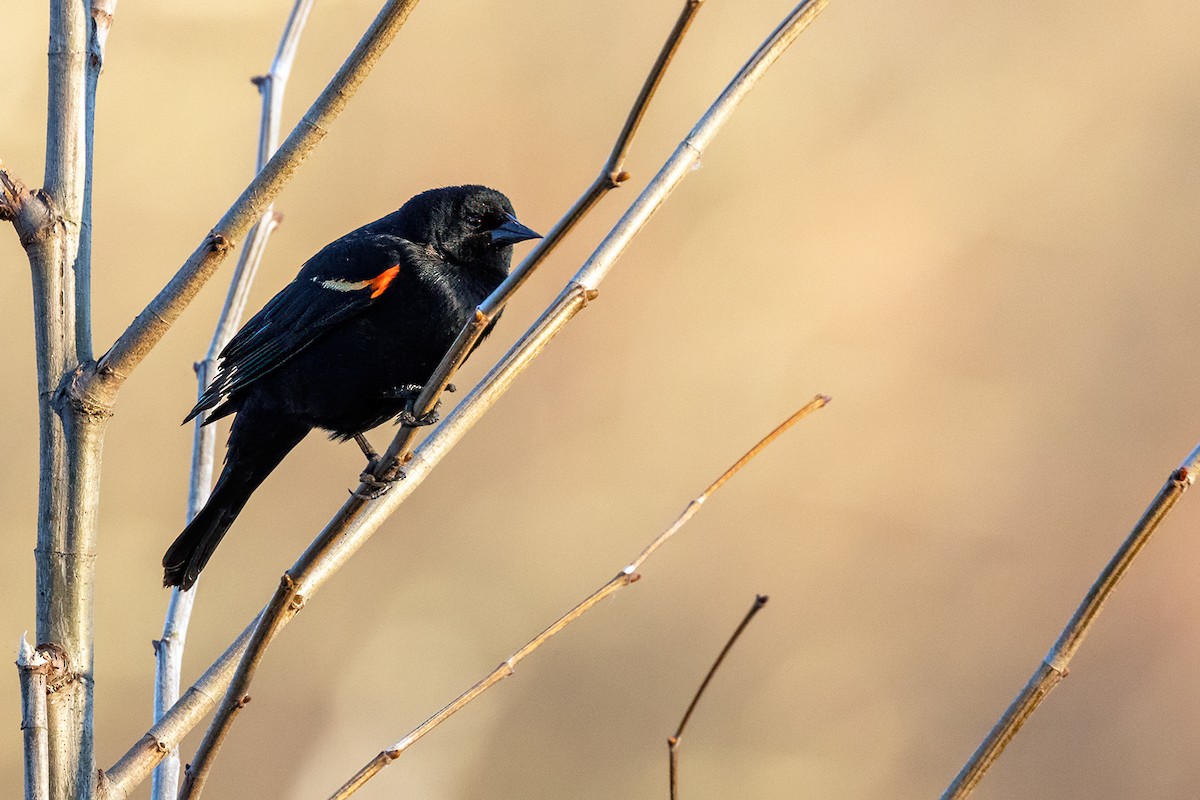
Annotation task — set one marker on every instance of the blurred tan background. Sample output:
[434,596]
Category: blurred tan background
[974,225]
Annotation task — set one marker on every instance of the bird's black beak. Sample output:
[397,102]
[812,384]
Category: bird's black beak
[511,231]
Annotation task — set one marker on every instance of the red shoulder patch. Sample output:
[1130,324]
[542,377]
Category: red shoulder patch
[384,279]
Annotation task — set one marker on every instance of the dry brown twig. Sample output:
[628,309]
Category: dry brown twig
[622,579]
[1053,667]
[674,740]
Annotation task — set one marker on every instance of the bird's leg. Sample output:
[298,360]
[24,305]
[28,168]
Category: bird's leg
[377,488]
[368,451]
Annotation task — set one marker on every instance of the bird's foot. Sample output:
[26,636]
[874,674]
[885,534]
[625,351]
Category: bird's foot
[409,417]
[373,488]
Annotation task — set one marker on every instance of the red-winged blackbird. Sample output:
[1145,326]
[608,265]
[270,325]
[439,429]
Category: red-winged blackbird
[348,343]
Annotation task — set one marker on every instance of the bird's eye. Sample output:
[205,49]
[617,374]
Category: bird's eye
[474,220]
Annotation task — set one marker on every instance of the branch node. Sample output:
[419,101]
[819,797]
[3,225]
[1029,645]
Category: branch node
[76,390]
[1182,479]
[52,661]
[218,243]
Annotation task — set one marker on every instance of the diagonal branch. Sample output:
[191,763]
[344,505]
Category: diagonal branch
[168,650]
[358,519]
[612,174]
[100,386]
[1054,666]
[622,579]
[673,741]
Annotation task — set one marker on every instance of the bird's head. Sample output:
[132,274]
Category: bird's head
[467,225]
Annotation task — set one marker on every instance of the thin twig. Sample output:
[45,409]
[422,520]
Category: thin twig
[622,579]
[612,174]
[99,386]
[358,519]
[169,649]
[1053,667]
[673,741]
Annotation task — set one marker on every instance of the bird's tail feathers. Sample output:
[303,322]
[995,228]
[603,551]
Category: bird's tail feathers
[192,549]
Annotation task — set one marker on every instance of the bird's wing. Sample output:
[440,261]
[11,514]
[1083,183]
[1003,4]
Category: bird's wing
[338,283]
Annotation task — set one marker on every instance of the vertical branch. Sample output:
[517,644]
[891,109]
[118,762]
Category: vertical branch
[101,21]
[168,650]
[1053,668]
[69,433]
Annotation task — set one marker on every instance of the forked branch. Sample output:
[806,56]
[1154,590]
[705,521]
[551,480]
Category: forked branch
[1053,667]
[622,579]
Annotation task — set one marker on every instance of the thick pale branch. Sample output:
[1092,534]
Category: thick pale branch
[1053,667]
[154,321]
[622,579]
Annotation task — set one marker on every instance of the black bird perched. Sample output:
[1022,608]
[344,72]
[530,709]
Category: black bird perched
[348,343]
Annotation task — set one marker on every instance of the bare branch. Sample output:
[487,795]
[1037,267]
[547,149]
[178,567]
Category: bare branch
[673,741]
[1053,667]
[169,649]
[358,519]
[622,579]
[153,322]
